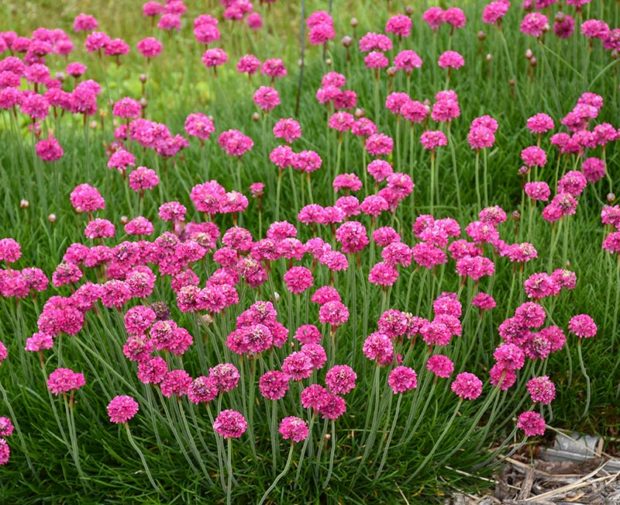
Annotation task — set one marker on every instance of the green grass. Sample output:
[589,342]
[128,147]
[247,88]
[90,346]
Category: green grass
[179,455]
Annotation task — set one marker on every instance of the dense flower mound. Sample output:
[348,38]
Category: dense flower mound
[378,258]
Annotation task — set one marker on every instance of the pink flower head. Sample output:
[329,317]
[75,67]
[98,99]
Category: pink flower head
[399,25]
[298,279]
[294,429]
[450,59]
[230,424]
[440,365]
[538,191]
[407,60]
[534,24]
[583,326]
[534,156]
[266,98]
[149,47]
[122,409]
[199,125]
[86,198]
[6,427]
[202,390]
[541,390]
[287,129]
[480,137]
[63,380]
[433,17]
[376,42]
[274,68]
[532,423]
[494,12]
[509,356]
[85,23]
[235,143]
[10,250]
[213,58]
[402,379]
[49,149]
[340,379]
[483,301]
[334,313]
[467,386]
[298,366]
[274,384]
[540,123]
[248,64]
[376,60]
[455,17]
[431,140]
[5,452]
[594,169]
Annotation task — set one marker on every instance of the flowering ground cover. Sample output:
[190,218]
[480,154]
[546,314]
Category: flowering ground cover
[293,252]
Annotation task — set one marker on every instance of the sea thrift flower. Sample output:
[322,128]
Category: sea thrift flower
[583,326]
[122,409]
[467,386]
[298,279]
[539,191]
[532,423]
[5,452]
[298,366]
[494,12]
[534,24]
[440,365]
[534,156]
[202,390]
[541,390]
[86,198]
[6,427]
[431,140]
[450,59]
[294,429]
[340,379]
[399,25]
[49,149]
[213,58]
[407,60]
[287,129]
[230,424]
[266,98]
[235,143]
[402,379]
[10,250]
[149,47]
[63,380]
[273,385]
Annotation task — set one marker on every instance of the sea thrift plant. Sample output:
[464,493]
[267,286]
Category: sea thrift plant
[297,255]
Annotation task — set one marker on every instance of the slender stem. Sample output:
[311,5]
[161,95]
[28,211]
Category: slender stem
[587,378]
[142,458]
[281,475]
[331,456]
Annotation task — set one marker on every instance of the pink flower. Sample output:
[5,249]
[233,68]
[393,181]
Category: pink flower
[534,24]
[541,390]
[230,424]
[5,452]
[122,409]
[450,59]
[10,250]
[86,198]
[63,380]
[383,274]
[375,42]
[532,423]
[480,138]
[294,429]
[333,313]
[594,169]
[298,279]
[402,379]
[287,129]
[266,98]
[495,11]
[149,47]
[214,57]
[455,17]
[509,356]
[407,60]
[583,326]
[340,379]
[274,68]
[483,301]
[274,384]
[433,17]
[440,365]
[431,140]
[6,427]
[248,64]
[235,143]
[226,376]
[467,386]
[199,125]
[202,390]
[49,149]
[84,23]
[537,191]
[534,156]
[399,25]
[376,60]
